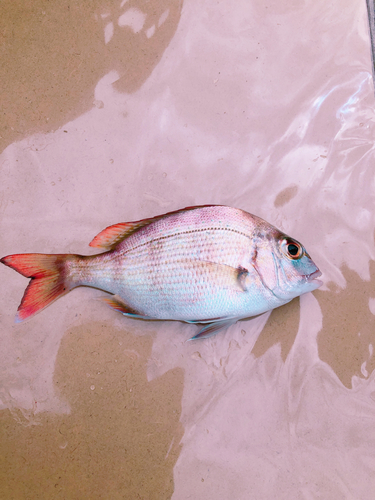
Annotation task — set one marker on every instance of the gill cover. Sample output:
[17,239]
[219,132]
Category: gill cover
[284,266]
[296,270]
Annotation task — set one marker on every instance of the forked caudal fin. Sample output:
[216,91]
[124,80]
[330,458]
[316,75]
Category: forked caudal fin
[49,280]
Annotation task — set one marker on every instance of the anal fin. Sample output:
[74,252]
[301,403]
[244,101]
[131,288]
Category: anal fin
[115,302]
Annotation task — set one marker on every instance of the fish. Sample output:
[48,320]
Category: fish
[211,265]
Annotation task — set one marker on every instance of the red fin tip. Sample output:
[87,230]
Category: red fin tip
[48,280]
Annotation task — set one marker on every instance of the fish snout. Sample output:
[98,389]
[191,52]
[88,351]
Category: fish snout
[312,278]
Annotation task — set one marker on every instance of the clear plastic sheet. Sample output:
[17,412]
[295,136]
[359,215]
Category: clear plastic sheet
[268,107]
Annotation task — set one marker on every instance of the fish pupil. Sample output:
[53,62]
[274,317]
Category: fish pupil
[293,249]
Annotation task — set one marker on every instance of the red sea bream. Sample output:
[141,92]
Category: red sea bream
[210,264]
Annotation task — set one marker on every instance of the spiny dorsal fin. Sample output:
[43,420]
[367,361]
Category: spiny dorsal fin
[113,235]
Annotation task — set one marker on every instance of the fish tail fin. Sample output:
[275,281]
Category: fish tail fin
[50,279]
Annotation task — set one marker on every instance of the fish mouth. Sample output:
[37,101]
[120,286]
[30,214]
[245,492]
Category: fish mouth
[312,278]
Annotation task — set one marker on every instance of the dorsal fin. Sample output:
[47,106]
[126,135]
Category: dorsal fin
[112,235]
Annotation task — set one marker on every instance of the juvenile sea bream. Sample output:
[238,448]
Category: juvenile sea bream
[208,264]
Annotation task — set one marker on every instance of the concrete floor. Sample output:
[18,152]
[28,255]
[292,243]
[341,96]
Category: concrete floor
[117,111]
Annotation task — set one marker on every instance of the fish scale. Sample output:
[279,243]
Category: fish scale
[209,264]
[163,272]
[157,277]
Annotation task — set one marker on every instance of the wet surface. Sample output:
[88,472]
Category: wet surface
[54,53]
[347,338]
[121,437]
[281,329]
[118,111]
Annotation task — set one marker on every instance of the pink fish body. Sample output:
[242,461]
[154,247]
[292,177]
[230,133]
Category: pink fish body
[209,264]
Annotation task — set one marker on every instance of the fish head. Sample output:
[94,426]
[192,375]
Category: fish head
[285,267]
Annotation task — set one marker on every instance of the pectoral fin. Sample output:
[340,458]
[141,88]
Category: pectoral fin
[228,276]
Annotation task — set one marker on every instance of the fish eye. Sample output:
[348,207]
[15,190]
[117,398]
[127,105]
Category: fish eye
[292,249]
